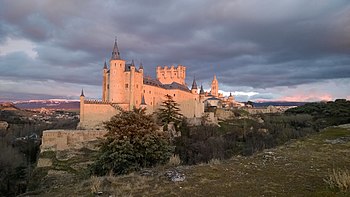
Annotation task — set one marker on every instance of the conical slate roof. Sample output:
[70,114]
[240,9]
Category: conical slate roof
[202,90]
[105,65]
[115,52]
[194,84]
[143,100]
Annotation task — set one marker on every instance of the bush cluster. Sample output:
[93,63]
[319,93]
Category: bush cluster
[239,136]
[132,143]
[326,113]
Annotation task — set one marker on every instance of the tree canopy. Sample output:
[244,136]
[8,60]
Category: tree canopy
[132,142]
[169,111]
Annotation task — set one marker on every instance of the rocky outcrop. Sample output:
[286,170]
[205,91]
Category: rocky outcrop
[3,125]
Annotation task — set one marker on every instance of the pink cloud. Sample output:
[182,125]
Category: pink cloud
[308,97]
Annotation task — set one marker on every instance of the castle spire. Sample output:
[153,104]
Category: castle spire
[194,84]
[105,65]
[202,90]
[143,100]
[115,52]
[82,92]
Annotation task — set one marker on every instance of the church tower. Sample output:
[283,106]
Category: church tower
[215,87]
[116,81]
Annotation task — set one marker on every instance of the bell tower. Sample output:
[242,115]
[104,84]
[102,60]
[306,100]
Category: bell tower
[215,87]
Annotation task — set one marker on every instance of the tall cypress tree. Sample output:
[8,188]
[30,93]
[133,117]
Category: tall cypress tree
[169,111]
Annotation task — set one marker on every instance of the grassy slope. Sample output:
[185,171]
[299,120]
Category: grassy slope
[295,169]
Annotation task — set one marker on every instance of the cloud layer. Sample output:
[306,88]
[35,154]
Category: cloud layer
[277,49]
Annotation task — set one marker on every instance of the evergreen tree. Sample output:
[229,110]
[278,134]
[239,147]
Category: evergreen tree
[169,111]
[132,142]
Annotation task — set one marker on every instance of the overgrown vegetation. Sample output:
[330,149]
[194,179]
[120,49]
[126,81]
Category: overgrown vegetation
[132,143]
[19,151]
[295,169]
[325,113]
[339,179]
[239,136]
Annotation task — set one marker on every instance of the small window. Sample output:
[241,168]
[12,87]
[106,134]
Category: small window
[149,92]
[144,91]
[174,94]
[137,86]
[126,85]
[151,103]
[137,102]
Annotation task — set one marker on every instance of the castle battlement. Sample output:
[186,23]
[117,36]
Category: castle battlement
[170,74]
[96,102]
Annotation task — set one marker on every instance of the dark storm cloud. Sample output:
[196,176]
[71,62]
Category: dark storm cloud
[256,44]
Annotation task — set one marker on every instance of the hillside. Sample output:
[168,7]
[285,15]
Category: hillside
[294,169]
[58,104]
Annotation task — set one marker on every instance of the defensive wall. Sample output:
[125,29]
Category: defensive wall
[68,139]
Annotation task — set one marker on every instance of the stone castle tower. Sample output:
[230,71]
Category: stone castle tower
[121,80]
[215,87]
[168,75]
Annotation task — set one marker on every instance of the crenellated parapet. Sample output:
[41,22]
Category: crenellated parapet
[170,74]
[96,102]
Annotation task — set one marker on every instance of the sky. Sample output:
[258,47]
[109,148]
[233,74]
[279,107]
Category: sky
[271,50]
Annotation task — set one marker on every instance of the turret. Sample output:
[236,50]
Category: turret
[116,77]
[141,68]
[143,102]
[201,91]
[115,52]
[105,83]
[82,100]
[194,87]
[230,98]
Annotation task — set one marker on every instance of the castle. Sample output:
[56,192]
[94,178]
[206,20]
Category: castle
[124,86]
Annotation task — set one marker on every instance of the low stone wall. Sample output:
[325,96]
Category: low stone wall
[68,139]
[223,114]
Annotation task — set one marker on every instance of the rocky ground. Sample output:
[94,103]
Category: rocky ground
[298,168]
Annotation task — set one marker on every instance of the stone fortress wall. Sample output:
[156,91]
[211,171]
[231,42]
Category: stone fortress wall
[68,139]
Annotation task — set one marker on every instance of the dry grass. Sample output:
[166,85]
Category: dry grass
[339,179]
[214,162]
[295,169]
[96,183]
[174,160]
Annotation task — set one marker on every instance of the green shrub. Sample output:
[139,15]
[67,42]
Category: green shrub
[132,143]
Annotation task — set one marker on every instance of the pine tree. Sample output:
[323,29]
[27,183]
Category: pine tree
[169,111]
[132,142]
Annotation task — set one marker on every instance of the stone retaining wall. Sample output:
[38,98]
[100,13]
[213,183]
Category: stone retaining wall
[68,139]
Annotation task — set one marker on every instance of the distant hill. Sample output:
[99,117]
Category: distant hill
[8,107]
[278,103]
[49,104]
